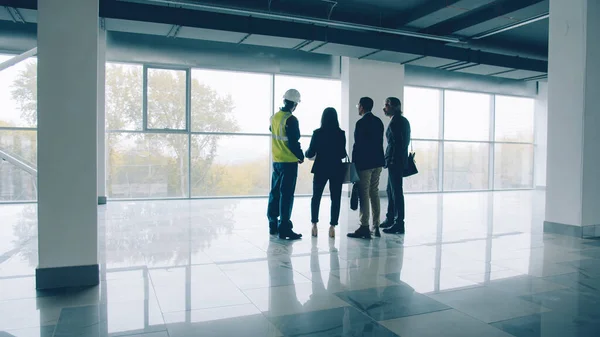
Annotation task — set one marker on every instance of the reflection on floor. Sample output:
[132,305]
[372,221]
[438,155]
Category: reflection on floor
[472,264]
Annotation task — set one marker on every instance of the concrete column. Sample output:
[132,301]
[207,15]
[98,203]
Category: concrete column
[378,80]
[67,143]
[541,135]
[102,151]
[573,183]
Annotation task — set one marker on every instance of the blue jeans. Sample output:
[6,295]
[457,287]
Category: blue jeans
[281,197]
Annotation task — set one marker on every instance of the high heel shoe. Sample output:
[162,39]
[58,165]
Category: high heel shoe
[332,231]
[315,231]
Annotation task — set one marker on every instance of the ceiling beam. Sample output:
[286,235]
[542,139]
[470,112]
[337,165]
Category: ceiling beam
[22,4]
[253,25]
[423,10]
[479,15]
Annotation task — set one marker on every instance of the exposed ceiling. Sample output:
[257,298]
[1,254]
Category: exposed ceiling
[505,38]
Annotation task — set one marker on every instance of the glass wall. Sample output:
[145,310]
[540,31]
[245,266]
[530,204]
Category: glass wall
[177,133]
[18,133]
[181,132]
[469,141]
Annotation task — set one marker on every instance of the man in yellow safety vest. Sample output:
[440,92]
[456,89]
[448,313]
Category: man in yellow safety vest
[287,154]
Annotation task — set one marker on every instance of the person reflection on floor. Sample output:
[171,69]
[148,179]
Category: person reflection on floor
[279,257]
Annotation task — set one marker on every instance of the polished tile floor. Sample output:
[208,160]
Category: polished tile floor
[471,264]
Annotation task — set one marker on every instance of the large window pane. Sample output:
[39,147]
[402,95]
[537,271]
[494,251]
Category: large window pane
[230,165]
[513,166]
[167,99]
[225,101]
[514,119]
[466,166]
[466,116]
[422,109]
[17,184]
[18,93]
[428,165]
[124,96]
[147,165]
[317,94]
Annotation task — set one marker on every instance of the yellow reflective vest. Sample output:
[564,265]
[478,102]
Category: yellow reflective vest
[279,139]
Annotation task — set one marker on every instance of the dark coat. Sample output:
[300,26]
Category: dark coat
[367,152]
[329,147]
[398,139]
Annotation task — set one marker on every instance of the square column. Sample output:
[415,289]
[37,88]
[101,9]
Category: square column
[102,150]
[573,182]
[378,80]
[67,143]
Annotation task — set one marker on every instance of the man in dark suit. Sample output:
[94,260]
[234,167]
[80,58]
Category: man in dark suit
[368,157]
[396,161]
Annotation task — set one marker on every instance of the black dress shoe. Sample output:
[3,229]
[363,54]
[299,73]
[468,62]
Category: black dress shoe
[395,229]
[386,224]
[376,232]
[362,232]
[289,235]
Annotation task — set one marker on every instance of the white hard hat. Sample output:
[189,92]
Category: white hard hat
[292,95]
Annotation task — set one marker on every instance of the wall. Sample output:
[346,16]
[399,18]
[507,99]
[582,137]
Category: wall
[541,135]
[374,79]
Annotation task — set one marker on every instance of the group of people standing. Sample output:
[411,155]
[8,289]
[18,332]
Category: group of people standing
[328,150]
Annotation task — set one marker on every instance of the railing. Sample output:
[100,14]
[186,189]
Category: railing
[18,162]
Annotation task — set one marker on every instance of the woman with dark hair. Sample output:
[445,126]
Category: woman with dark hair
[328,149]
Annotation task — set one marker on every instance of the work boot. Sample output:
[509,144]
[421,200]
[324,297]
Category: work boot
[395,229]
[273,228]
[289,235]
[386,224]
[361,233]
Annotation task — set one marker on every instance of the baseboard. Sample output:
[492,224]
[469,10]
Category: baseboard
[592,231]
[101,200]
[67,277]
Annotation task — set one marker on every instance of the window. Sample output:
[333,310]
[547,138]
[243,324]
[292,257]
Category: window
[224,101]
[317,94]
[230,165]
[427,159]
[513,166]
[124,96]
[166,99]
[18,134]
[466,116]
[422,109]
[466,166]
[147,165]
[514,119]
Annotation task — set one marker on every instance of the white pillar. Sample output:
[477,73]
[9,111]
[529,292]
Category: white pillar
[67,143]
[541,135]
[573,183]
[101,116]
[378,80]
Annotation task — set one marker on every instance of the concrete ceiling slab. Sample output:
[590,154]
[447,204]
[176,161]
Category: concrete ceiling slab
[343,50]
[520,74]
[272,41]
[432,62]
[210,35]
[483,69]
[137,27]
[390,56]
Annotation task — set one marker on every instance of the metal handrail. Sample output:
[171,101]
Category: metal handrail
[18,163]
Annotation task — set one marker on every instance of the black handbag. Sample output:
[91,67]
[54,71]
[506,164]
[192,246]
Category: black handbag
[411,166]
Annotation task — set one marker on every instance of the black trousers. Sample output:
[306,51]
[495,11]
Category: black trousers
[395,193]
[335,189]
[281,197]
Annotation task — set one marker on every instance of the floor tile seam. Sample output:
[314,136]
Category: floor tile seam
[162,313]
[242,291]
